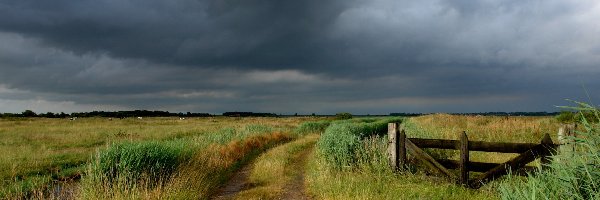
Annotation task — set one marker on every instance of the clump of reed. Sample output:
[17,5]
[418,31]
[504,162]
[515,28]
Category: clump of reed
[133,166]
[342,145]
[573,175]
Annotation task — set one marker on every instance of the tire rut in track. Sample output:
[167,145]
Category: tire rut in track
[237,183]
[295,189]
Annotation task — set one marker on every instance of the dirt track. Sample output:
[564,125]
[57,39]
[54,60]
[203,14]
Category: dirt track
[292,190]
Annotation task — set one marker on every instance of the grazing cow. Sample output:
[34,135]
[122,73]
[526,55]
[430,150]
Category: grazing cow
[139,117]
[182,118]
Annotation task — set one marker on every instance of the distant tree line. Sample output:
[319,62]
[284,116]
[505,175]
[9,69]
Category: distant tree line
[248,114]
[113,114]
[138,113]
[29,113]
[406,114]
[147,113]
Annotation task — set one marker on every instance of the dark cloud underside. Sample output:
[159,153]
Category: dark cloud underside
[293,56]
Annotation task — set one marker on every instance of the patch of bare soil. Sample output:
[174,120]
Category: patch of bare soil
[237,183]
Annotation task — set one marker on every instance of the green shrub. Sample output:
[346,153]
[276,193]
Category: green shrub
[573,117]
[573,175]
[566,117]
[342,116]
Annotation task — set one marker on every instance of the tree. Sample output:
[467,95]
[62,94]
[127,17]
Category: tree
[343,115]
[28,113]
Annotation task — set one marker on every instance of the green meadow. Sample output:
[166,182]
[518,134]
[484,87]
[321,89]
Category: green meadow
[285,158]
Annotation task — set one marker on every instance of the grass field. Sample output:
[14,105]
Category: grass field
[37,150]
[157,158]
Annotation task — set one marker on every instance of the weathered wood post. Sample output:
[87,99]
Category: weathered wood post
[564,132]
[547,150]
[402,148]
[464,159]
[393,145]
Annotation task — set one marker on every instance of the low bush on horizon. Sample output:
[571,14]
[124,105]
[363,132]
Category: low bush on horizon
[343,116]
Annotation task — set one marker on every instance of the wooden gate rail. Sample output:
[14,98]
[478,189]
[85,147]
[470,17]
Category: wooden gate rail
[401,145]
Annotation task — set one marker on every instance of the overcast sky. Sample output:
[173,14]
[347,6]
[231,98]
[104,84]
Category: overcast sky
[309,56]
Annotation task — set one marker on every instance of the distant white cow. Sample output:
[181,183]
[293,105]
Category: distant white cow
[139,117]
[182,118]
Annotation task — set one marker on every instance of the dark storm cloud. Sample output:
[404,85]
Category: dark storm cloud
[314,56]
[265,34]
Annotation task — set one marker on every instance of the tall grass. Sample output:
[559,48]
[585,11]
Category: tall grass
[312,127]
[342,141]
[573,175]
[131,163]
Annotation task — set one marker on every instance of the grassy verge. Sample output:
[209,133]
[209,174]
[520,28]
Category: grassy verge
[327,183]
[277,168]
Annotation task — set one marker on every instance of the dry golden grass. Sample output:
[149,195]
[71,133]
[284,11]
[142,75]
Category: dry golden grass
[202,176]
[518,129]
[486,128]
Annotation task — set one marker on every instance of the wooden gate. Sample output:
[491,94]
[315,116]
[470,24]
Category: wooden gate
[400,145]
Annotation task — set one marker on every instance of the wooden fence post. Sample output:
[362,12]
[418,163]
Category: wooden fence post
[464,159]
[393,145]
[564,132]
[402,148]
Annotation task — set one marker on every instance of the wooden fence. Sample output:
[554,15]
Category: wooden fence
[400,146]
